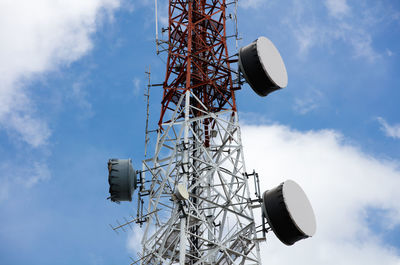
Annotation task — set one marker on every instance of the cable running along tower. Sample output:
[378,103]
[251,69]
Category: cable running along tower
[193,194]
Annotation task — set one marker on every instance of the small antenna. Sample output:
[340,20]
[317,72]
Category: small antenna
[133,220]
[155,10]
[236,24]
[146,142]
[147,95]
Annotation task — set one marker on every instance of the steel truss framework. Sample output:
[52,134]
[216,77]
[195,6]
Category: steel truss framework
[216,225]
[198,57]
[198,146]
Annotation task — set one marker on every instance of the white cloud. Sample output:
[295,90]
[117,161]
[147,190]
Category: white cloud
[251,3]
[309,102]
[134,240]
[79,96]
[392,131]
[252,118]
[129,6]
[32,130]
[389,53]
[4,190]
[40,36]
[163,18]
[337,8]
[306,36]
[17,117]
[38,172]
[344,185]
[310,28]
[304,106]
[16,176]
[396,15]
[362,45]
[136,85]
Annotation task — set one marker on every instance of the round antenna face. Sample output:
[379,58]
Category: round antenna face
[289,212]
[272,62]
[262,66]
[181,192]
[122,179]
[299,207]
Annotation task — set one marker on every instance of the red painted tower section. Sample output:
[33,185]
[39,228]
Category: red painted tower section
[198,58]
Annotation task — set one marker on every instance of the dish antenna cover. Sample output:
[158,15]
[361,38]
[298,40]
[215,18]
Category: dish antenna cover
[122,179]
[181,193]
[262,66]
[289,212]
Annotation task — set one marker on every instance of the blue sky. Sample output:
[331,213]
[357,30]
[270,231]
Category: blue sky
[71,96]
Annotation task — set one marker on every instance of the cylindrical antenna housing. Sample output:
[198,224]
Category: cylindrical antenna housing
[262,66]
[122,179]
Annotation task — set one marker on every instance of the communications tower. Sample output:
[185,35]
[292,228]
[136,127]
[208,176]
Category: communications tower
[194,196]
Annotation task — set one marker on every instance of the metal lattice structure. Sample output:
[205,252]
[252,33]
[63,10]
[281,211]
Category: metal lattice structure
[198,57]
[199,209]
[198,147]
[216,225]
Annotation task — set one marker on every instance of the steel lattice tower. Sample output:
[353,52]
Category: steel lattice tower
[199,147]
[199,209]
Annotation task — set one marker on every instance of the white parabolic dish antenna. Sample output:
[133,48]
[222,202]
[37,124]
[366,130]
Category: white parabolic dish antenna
[289,212]
[262,66]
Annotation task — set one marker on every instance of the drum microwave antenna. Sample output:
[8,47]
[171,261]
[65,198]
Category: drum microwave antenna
[195,199]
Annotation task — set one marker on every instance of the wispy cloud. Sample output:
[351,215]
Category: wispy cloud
[392,131]
[389,53]
[136,85]
[128,5]
[251,3]
[253,118]
[312,28]
[18,115]
[337,8]
[38,172]
[79,96]
[134,240]
[306,36]
[396,15]
[16,176]
[4,190]
[32,130]
[309,102]
[363,48]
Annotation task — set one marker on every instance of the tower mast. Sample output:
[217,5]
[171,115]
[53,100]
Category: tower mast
[199,209]
[199,151]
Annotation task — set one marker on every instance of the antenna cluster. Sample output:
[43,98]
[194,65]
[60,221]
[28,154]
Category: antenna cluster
[193,193]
